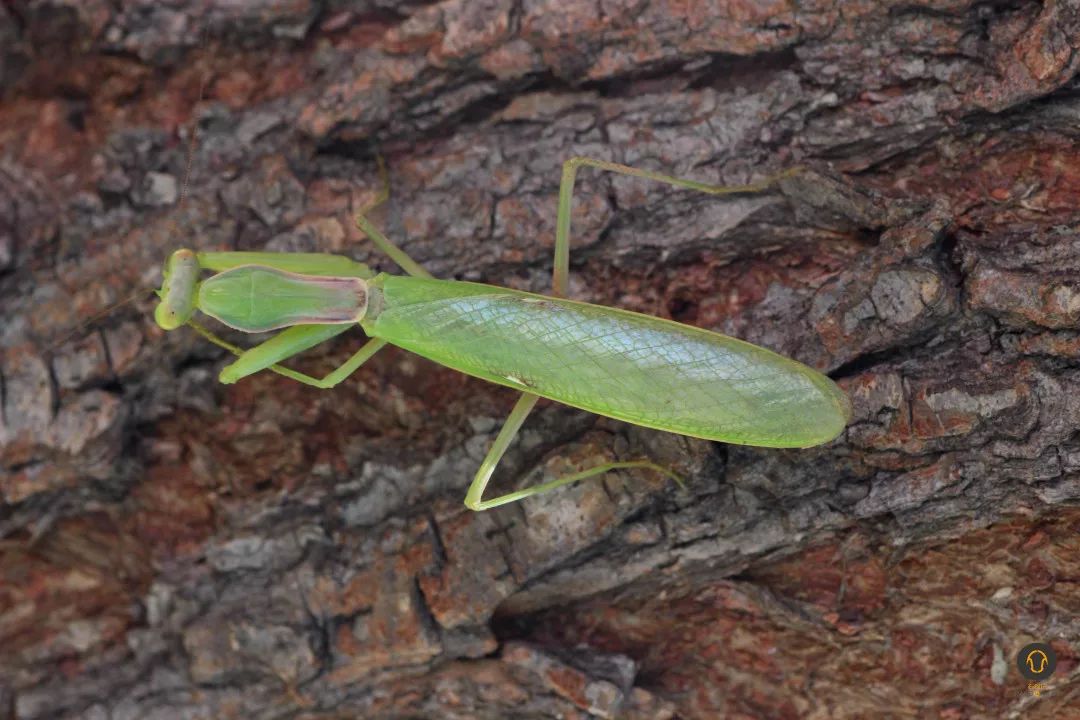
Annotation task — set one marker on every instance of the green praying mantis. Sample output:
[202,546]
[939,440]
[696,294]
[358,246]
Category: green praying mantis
[637,368]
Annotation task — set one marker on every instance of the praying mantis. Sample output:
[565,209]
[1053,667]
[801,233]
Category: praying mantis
[628,366]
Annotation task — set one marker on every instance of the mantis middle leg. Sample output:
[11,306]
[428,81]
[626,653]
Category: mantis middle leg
[559,286]
[395,253]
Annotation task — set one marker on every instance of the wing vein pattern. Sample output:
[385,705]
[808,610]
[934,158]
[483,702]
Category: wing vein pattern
[625,365]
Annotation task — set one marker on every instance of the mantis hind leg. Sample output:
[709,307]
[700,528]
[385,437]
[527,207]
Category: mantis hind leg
[474,497]
[561,271]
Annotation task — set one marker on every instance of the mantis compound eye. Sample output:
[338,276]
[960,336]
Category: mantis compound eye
[178,290]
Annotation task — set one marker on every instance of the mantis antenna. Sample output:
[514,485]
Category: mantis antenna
[194,123]
[189,162]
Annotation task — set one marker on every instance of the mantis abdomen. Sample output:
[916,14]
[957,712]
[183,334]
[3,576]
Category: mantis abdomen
[641,369]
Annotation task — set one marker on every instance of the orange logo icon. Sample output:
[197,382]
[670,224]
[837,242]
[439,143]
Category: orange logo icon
[1036,661]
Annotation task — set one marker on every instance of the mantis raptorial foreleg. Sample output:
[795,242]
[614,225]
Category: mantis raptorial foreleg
[293,341]
[285,344]
[559,287]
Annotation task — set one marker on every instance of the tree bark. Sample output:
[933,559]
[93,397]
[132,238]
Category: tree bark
[174,548]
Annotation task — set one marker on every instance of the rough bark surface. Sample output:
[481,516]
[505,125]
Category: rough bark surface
[174,548]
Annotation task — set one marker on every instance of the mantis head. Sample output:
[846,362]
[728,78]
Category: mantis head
[178,290]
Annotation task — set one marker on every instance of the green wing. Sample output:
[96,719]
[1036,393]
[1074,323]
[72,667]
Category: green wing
[641,369]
